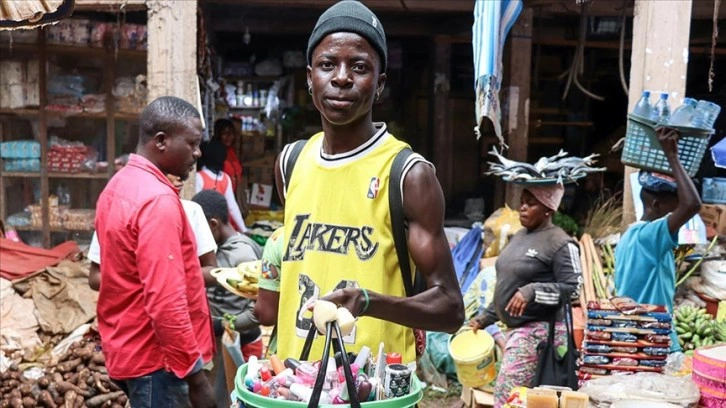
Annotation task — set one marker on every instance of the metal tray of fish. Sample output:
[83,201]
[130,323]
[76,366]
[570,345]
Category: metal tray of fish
[557,169]
[543,181]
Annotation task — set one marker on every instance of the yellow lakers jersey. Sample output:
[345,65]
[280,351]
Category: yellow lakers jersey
[338,234]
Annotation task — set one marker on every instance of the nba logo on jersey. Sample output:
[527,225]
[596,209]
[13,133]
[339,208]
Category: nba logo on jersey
[373,188]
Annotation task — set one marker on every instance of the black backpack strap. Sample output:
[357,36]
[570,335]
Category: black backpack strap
[395,200]
[289,162]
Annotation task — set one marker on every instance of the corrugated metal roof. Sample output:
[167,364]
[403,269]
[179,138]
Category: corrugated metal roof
[32,13]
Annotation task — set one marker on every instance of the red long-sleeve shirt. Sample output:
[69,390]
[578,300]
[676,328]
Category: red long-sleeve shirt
[152,306]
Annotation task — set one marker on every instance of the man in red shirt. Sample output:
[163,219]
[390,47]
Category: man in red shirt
[153,314]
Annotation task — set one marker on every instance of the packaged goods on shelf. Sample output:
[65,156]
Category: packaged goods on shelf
[20,149]
[74,31]
[67,157]
[21,165]
[79,219]
[130,93]
[93,103]
[55,213]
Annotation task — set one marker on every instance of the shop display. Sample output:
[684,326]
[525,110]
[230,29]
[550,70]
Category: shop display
[624,337]
[83,32]
[89,105]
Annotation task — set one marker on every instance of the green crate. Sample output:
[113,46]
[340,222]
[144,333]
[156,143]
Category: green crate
[251,399]
[642,148]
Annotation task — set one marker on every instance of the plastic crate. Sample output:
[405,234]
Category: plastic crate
[642,148]
[713,190]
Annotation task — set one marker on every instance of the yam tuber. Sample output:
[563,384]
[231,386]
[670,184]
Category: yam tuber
[99,384]
[69,399]
[86,352]
[98,358]
[16,403]
[44,381]
[29,402]
[64,387]
[69,366]
[46,400]
[100,400]
[25,389]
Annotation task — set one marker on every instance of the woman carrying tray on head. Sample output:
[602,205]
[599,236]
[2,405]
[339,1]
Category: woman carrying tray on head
[539,264]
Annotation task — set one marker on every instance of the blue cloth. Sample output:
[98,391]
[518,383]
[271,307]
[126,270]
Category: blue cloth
[645,266]
[718,154]
[158,389]
[657,182]
[466,255]
[492,22]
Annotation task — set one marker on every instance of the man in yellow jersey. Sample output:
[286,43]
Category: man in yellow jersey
[338,240]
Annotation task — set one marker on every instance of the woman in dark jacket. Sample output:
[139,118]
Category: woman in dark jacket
[539,264]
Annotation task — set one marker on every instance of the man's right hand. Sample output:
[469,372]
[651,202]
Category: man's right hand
[201,394]
[668,139]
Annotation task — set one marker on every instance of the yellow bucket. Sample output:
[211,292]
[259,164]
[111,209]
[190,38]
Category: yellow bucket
[473,355]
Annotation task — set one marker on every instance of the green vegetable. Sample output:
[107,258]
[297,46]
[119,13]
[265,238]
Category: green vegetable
[567,223]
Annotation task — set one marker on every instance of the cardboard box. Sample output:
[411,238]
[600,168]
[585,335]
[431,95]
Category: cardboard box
[714,216]
[477,398]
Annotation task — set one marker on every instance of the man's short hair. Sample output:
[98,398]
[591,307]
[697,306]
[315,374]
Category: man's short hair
[164,114]
[213,204]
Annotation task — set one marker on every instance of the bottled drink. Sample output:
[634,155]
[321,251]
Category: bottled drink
[643,108]
[662,111]
[683,114]
[705,115]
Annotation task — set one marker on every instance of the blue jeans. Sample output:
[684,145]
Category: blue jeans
[160,389]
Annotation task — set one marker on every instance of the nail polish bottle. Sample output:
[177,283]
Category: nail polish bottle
[304,394]
[304,371]
[331,376]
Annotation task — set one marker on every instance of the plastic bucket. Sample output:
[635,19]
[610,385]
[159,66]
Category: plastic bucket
[252,400]
[473,356]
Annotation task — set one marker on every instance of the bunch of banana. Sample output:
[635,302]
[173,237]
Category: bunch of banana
[696,328]
[719,331]
[249,277]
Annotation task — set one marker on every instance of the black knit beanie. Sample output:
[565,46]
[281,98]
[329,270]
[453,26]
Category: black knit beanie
[353,17]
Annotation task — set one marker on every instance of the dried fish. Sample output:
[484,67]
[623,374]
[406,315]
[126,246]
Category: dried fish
[558,168]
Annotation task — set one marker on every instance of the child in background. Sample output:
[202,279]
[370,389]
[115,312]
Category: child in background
[233,249]
[270,279]
[210,176]
[644,263]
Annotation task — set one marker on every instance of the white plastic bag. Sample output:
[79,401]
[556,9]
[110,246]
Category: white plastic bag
[604,391]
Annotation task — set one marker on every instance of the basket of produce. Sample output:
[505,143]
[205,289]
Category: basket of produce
[642,149]
[299,383]
[557,169]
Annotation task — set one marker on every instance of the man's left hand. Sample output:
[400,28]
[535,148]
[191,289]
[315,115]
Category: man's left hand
[516,305]
[349,298]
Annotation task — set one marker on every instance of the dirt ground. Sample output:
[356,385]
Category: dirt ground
[449,399]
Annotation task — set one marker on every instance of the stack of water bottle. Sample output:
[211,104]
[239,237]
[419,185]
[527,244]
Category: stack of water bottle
[693,114]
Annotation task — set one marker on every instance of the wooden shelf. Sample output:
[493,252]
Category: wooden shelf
[22,174]
[74,50]
[53,229]
[52,113]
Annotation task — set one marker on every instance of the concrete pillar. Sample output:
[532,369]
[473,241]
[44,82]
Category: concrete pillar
[659,61]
